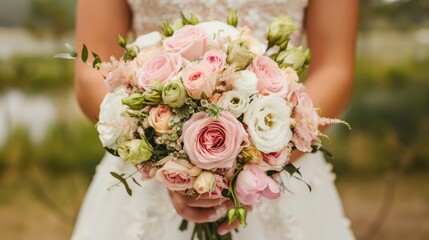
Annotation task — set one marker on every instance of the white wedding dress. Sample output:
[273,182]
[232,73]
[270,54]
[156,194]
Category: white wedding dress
[149,215]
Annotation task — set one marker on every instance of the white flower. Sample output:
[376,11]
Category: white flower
[268,121]
[235,102]
[247,82]
[110,116]
[148,40]
[216,30]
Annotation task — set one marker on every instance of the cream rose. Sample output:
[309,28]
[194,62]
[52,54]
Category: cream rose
[110,118]
[268,121]
[159,118]
[205,182]
[152,39]
[177,174]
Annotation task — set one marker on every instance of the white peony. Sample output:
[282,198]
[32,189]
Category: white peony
[235,102]
[110,117]
[152,39]
[268,121]
[247,82]
[216,30]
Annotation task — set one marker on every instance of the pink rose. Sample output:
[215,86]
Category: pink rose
[252,183]
[306,131]
[272,80]
[159,117]
[275,160]
[199,80]
[216,58]
[161,67]
[177,174]
[147,171]
[190,41]
[213,142]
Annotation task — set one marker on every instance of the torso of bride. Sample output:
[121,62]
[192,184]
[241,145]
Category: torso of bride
[256,14]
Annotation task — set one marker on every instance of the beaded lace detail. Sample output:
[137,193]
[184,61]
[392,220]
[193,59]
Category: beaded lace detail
[257,14]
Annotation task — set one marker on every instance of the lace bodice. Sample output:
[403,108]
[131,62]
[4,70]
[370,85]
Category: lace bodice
[257,14]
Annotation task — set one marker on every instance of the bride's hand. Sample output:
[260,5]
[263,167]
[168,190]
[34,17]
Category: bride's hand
[201,209]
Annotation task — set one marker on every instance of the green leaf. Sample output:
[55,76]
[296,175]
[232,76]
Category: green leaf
[111,151]
[291,169]
[302,180]
[183,225]
[84,53]
[97,61]
[121,41]
[326,152]
[65,56]
[123,181]
[135,181]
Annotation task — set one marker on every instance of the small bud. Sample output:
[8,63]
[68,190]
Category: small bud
[135,101]
[185,21]
[232,215]
[167,29]
[279,30]
[232,18]
[242,215]
[121,41]
[193,19]
[296,58]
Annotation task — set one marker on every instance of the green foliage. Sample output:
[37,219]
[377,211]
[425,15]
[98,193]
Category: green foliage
[36,74]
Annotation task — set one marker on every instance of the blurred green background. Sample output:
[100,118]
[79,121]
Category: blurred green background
[48,150]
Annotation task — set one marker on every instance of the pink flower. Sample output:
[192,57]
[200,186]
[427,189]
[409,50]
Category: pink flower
[252,183]
[221,184]
[147,172]
[159,117]
[161,67]
[199,80]
[272,80]
[306,132]
[275,160]
[190,41]
[213,142]
[177,174]
[216,58]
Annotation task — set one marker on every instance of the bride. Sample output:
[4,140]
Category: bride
[153,212]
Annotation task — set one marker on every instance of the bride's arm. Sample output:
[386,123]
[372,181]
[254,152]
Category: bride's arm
[98,24]
[331,27]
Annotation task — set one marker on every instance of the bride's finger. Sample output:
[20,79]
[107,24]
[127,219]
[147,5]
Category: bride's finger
[204,202]
[197,214]
[225,228]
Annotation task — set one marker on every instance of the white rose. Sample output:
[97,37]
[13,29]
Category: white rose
[216,30]
[268,121]
[235,102]
[247,82]
[148,40]
[110,117]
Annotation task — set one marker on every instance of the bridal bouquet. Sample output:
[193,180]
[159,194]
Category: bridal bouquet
[207,108]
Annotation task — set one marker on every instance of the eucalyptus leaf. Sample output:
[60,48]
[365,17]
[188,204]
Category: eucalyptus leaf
[111,151]
[84,53]
[123,181]
[302,180]
[65,56]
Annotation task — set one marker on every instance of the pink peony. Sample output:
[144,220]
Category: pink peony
[272,80]
[177,174]
[161,67]
[252,183]
[147,172]
[216,58]
[199,80]
[190,41]
[306,132]
[213,142]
